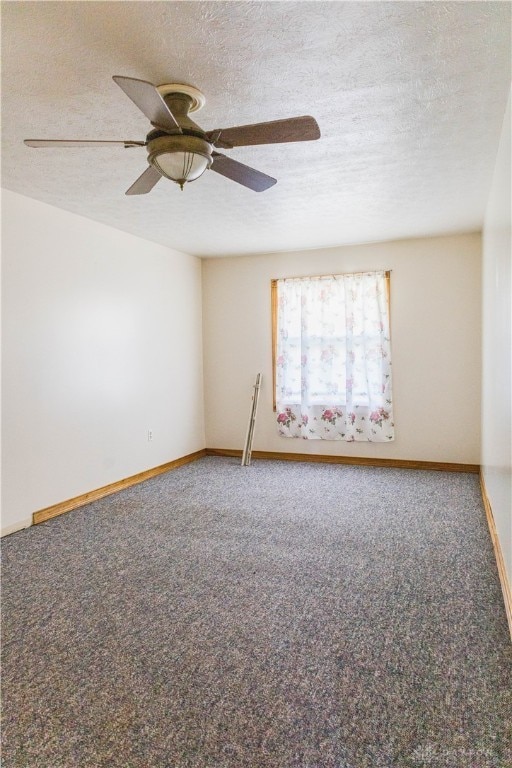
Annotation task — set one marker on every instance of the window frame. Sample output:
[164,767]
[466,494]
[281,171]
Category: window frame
[274,311]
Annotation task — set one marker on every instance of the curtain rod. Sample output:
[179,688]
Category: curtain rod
[339,274]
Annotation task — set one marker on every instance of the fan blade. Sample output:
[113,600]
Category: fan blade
[58,143]
[147,98]
[145,182]
[243,174]
[276,132]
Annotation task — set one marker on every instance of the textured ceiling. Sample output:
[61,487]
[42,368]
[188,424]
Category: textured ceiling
[409,97]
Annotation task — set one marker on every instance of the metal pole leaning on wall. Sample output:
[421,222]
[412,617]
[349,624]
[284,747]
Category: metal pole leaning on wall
[246,455]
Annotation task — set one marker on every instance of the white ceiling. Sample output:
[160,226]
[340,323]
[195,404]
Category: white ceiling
[409,96]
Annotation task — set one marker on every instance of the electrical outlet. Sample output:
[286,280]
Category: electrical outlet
[150,434]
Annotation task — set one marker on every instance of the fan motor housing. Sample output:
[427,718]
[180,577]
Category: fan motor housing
[179,143]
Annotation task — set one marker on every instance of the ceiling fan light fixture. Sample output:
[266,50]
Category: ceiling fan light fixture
[181,150]
[180,158]
[181,166]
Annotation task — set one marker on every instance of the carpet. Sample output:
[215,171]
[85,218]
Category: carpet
[277,616]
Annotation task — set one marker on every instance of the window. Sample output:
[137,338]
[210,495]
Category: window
[331,357]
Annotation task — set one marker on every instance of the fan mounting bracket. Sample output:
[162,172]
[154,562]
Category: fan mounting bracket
[198,99]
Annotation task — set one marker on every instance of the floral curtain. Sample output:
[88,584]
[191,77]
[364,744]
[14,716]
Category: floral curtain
[333,363]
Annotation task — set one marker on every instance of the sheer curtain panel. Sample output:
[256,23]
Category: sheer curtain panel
[333,358]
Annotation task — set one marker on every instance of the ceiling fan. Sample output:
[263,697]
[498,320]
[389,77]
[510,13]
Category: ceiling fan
[180,150]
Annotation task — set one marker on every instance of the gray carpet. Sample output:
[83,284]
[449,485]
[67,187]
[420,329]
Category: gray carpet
[278,616]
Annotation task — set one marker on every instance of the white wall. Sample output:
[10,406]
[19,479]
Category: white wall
[435,317]
[497,343]
[101,343]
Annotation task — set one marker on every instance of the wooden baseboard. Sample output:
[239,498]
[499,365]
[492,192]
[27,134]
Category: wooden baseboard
[65,506]
[353,460]
[505,585]
[78,501]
